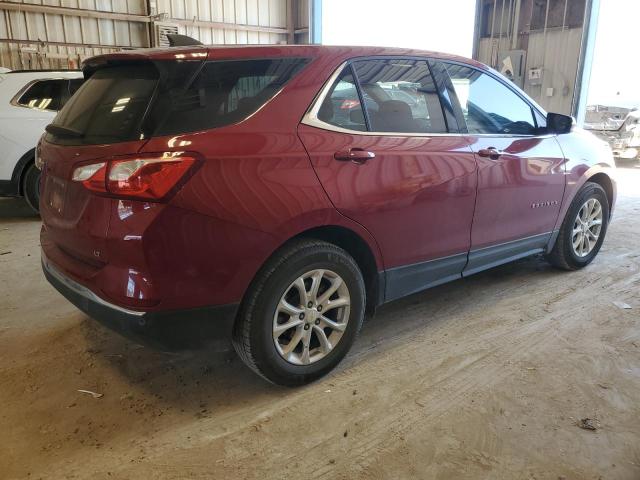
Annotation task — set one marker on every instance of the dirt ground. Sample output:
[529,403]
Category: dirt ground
[487,377]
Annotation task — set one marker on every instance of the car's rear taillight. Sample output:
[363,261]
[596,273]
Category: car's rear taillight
[92,176]
[150,178]
[142,176]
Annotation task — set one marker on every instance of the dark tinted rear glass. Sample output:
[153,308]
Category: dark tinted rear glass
[108,107]
[123,103]
[223,93]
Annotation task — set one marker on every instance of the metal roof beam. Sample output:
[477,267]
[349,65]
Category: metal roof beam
[74,12]
[129,17]
[226,26]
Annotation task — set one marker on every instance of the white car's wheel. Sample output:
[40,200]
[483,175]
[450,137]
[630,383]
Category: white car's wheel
[31,187]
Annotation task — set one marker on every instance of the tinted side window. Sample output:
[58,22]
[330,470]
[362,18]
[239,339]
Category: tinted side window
[225,92]
[341,107]
[489,106]
[44,95]
[404,97]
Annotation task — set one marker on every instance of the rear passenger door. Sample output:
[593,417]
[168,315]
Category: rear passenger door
[520,169]
[382,147]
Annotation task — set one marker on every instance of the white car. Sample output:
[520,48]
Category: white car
[28,102]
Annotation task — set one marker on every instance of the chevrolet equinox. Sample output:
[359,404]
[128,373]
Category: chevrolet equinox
[290,190]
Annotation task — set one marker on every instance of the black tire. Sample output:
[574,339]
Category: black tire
[252,333]
[31,187]
[562,255]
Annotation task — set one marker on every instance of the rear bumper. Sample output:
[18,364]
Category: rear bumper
[174,329]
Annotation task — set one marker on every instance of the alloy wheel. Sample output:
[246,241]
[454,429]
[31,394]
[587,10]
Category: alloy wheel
[311,317]
[587,227]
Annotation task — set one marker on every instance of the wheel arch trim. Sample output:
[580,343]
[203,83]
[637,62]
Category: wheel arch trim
[576,180]
[609,186]
[354,239]
[362,252]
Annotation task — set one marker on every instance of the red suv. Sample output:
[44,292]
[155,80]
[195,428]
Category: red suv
[290,190]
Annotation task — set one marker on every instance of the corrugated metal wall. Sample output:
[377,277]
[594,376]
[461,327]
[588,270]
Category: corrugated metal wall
[61,33]
[557,56]
[550,34]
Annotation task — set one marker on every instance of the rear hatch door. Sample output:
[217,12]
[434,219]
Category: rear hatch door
[103,119]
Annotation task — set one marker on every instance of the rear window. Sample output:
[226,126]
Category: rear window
[125,103]
[108,107]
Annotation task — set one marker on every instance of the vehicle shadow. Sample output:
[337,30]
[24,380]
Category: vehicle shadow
[199,381]
[211,373]
[14,208]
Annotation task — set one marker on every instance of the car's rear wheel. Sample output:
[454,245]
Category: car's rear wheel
[301,314]
[31,187]
[583,229]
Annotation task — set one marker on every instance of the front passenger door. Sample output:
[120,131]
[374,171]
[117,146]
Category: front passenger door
[382,150]
[520,169]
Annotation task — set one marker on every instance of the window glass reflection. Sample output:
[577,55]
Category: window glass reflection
[488,106]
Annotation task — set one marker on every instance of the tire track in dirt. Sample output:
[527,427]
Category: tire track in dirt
[468,377]
[404,415]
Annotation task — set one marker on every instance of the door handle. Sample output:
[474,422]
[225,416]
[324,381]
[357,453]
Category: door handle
[491,152]
[355,155]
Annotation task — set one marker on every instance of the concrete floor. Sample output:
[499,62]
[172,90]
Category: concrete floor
[486,377]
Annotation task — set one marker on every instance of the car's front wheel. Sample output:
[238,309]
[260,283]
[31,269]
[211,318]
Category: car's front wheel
[301,314]
[583,229]
[31,187]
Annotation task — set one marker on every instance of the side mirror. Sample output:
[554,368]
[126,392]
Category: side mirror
[558,123]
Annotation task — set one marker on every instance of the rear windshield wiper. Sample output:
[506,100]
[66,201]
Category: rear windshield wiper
[63,131]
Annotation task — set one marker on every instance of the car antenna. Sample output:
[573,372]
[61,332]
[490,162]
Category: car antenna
[178,40]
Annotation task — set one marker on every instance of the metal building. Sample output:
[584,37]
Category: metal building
[541,45]
[61,33]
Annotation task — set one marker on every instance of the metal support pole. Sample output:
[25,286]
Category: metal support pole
[493,63]
[315,21]
[587,48]
[477,33]
[149,30]
[516,26]
[291,21]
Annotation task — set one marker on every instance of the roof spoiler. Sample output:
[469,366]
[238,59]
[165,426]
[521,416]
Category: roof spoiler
[177,40]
